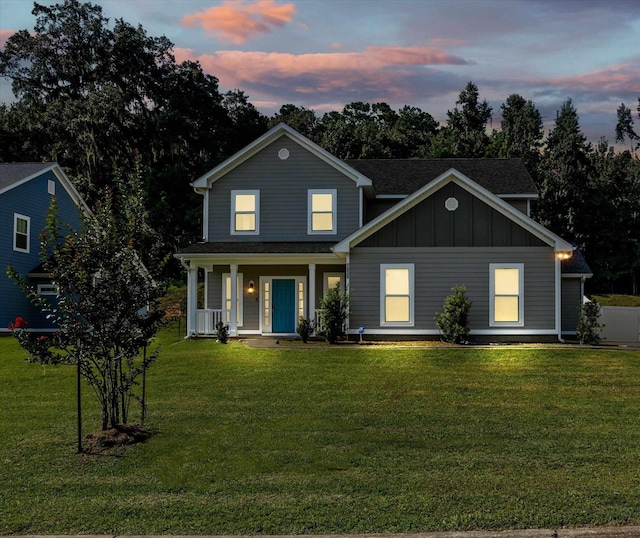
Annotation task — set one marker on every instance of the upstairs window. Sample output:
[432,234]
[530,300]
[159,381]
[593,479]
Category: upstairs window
[245,212]
[21,226]
[322,211]
[506,303]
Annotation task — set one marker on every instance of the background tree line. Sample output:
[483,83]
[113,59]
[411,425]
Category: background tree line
[96,96]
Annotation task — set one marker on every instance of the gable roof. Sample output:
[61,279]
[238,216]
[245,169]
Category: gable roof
[474,188]
[576,265]
[13,175]
[205,181]
[503,177]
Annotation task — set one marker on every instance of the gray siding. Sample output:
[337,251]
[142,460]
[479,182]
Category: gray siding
[439,269]
[473,224]
[571,301]
[283,186]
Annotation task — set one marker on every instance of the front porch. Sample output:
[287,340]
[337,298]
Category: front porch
[259,295]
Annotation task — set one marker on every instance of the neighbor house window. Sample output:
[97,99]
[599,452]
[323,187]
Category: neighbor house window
[21,225]
[47,289]
[226,298]
[506,305]
[322,211]
[245,212]
[396,294]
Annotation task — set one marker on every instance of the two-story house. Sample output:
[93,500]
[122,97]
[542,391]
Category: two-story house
[26,190]
[284,221]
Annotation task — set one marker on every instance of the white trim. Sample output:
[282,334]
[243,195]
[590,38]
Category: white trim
[384,267]
[454,176]
[53,289]
[361,207]
[239,301]
[558,290]
[205,216]
[479,332]
[492,294]
[325,281]
[17,216]
[334,211]
[256,212]
[266,329]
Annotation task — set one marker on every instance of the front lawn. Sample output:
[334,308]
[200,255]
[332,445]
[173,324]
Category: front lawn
[364,440]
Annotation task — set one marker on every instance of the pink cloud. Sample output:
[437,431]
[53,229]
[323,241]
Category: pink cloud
[613,80]
[383,73]
[237,21]
[4,35]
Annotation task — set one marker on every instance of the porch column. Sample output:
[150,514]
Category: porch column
[233,313]
[192,300]
[312,292]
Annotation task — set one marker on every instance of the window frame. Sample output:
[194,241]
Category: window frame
[17,216]
[334,211]
[226,316]
[48,289]
[256,212]
[492,294]
[384,267]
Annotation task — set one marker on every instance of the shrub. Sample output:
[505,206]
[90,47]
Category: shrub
[588,330]
[453,322]
[305,329]
[223,332]
[334,310]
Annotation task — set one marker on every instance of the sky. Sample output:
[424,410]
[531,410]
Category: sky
[323,54]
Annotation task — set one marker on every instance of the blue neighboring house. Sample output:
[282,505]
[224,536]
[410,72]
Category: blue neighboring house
[26,190]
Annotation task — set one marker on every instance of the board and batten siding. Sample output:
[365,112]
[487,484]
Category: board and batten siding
[283,186]
[472,224]
[437,270]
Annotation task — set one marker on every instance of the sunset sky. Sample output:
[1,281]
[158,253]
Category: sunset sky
[322,54]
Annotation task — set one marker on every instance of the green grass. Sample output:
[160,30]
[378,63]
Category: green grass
[332,441]
[618,300]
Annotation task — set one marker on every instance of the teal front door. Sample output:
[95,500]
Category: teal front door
[284,306]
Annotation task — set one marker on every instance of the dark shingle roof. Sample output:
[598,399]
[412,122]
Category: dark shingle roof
[254,247]
[11,173]
[405,176]
[576,265]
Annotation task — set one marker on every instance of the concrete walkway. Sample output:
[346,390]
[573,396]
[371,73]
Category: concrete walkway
[590,532]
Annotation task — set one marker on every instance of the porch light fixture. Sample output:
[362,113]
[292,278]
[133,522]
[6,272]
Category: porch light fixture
[251,287]
[564,255]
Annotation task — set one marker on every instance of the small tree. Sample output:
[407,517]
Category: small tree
[106,308]
[453,322]
[589,328]
[334,311]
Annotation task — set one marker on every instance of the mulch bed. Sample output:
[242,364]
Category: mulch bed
[115,439]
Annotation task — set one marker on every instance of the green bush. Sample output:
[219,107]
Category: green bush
[334,310]
[223,332]
[453,322]
[305,329]
[588,330]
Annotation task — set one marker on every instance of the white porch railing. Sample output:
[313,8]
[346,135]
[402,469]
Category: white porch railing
[318,321]
[207,319]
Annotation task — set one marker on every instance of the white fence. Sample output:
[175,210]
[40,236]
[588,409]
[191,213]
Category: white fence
[622,323]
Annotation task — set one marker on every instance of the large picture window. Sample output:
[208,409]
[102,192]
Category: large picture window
[245,212]
[506,305]
[396,294]
[21,232]
[322,211]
